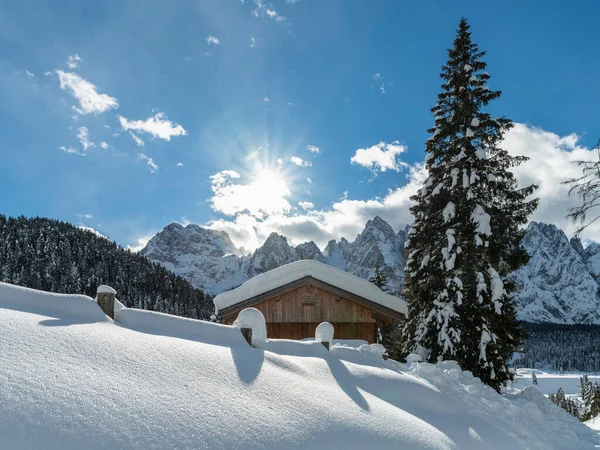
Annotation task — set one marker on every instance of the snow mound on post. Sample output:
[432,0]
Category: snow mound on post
[324,332]
[378,349]
[254,319]
[103,289]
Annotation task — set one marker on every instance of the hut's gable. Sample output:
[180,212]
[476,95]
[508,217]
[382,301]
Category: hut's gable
[295,300]
[310,303]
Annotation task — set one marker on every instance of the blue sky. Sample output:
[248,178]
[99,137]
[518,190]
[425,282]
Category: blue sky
[253,114]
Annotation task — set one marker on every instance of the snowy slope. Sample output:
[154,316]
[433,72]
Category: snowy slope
[594,423]
[71,379]
[557,284]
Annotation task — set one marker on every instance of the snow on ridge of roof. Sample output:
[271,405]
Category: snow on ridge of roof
[299,269]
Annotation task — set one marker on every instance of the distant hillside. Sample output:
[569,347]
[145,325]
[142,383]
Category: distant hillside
[58,257]
[560,347]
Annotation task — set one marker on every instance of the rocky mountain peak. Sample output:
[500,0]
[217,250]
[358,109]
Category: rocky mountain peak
[576,244]
[309,250]
[275,252]
[175,240]
[557,284]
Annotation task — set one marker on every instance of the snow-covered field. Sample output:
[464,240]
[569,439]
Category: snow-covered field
[71,378]
[548,382]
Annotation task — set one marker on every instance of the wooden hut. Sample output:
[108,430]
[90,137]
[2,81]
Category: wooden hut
[297,297]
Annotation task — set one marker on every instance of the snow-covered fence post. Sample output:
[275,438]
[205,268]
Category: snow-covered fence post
[247,333]
[105,297]
[379,350]
[324,334]
[252,325]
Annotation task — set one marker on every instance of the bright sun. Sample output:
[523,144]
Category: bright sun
[269,189]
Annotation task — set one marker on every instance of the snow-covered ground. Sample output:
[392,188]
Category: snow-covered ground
[548,382]
[594,423]
[72,378]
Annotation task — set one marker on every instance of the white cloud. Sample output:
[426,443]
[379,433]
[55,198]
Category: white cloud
[300,162]
[306,205]
[309,181]
[158,126]
[252,42]
[71,150]
[380,157]
[31,74]
[73,61]
[274,15]
[552,162]
[153,167]
[313,149]
[82,135]
[104,145]
[85,216]
[140,243]
[377,76]
[138,141]
[382,89]
[265,195]
[179,164]
[266,99]
[552,158]
[212,40]
[90,102]
[345,217]
[266,10]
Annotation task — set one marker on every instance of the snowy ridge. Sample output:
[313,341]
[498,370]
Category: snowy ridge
[210,261]
[300,269]
[560,284]
[156,381]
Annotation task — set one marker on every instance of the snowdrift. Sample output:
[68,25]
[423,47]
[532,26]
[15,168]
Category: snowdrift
[71,378]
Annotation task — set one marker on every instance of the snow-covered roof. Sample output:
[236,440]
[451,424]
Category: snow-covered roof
[295,271]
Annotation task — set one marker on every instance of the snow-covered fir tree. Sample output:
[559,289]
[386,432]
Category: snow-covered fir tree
[466,236]
[379,279]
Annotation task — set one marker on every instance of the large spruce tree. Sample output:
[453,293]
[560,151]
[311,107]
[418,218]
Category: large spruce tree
[466,235]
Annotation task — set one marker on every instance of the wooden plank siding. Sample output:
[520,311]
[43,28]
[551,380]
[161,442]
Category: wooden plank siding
[312,304]
[357,330]
[295,314]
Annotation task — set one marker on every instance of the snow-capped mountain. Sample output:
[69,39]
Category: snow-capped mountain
[209,260]
[559,284]
[206,258]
